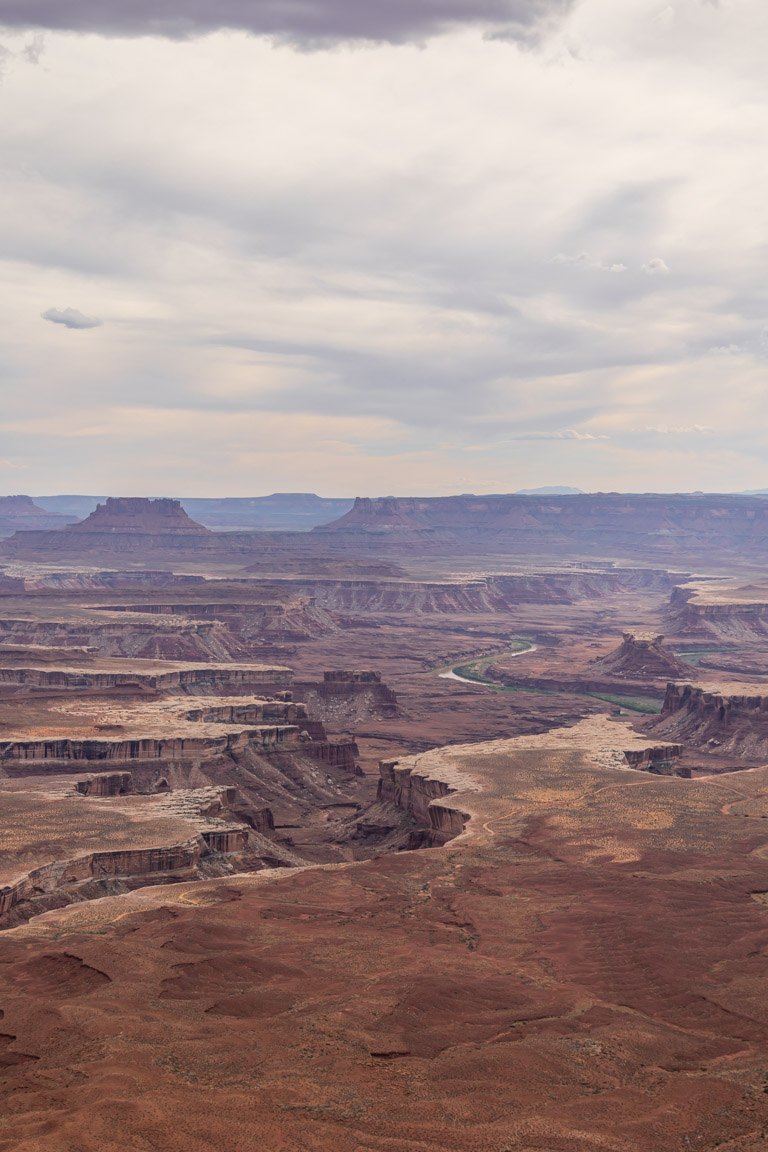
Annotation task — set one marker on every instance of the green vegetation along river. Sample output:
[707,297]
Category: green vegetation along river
[473,671]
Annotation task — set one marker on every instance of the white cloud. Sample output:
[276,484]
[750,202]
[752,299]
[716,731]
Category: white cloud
[656,267]
[70,318]
[587,262]
[565,434]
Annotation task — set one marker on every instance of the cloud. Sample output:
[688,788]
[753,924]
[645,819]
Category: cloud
[676,429]
[587,262]
[313,23]
[70,318]
[565,434]
[656,267]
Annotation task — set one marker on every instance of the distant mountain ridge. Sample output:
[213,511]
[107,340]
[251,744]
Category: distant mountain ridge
[292,511]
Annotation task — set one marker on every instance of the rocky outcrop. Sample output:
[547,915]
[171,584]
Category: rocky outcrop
[730,719]
[346,695]
[420,795]
[641,656]
[333,753]
[105,784]
[661,760]
[250,712]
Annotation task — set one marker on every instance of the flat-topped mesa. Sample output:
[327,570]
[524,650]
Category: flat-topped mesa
[726,610]
[348,694]
[642,656]
[139,516]
[730,719]
[22,512]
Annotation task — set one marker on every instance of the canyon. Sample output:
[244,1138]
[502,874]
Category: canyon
[439,826]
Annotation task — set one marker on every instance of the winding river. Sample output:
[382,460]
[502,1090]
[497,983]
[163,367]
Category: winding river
[452,674]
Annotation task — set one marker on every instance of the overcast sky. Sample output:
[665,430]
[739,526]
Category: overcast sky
[361,248]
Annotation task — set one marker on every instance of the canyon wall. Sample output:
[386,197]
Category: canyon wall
[147,748]
[730,619]
[731,719]
[418,794]
[226,680]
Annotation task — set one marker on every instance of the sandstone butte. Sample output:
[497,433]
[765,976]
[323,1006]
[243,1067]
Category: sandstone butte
[641,655]
[138,516]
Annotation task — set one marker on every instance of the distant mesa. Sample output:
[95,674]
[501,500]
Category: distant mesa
[282,511]
[120,524]
[21,512]
[384,515]
[642,655]
[680,527]
[139,516]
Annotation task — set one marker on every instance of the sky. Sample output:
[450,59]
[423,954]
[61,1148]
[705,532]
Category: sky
[368,248]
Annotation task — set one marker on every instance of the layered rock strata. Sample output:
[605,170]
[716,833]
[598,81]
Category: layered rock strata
[136,516]
[105,784]
[727,719]
[187,680]
[720,610]
[181,836]
[348,694]
[640,656]
[147,748]
[487,595]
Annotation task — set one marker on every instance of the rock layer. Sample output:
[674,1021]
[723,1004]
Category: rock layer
[642,655]
[730,718]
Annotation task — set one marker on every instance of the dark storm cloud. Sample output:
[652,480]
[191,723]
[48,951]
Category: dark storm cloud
[305,22]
